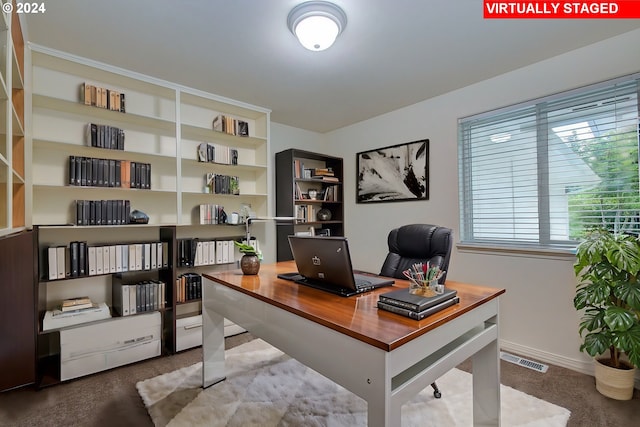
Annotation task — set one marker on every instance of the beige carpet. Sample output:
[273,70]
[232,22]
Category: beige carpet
[264,387]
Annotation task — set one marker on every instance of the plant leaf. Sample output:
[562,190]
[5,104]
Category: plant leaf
[629,342]
[593,320]
[624,253]
[596,343]
[618,319]
[629,292]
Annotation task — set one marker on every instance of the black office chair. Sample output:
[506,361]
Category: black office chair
[418,243]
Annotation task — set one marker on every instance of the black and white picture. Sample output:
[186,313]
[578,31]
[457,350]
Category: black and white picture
[396,173]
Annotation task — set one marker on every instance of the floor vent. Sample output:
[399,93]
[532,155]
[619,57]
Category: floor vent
[536,366]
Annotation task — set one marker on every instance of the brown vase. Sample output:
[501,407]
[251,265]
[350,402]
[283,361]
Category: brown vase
[250,264]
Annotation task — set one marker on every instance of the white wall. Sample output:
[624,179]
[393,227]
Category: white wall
[537,315]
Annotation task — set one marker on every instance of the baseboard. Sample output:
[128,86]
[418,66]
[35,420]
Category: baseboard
[585,367]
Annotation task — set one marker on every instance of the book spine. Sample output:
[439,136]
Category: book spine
[400,304]
[418,315]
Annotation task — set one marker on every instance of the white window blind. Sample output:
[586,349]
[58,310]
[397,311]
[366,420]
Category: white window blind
[542,172]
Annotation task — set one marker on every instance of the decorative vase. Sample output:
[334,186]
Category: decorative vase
[324,214]
[614,383]
[250,264]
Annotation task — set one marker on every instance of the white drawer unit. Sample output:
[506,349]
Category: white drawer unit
[188,332]
[93,348]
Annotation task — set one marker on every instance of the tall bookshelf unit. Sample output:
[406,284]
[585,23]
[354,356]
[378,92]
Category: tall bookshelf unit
[13,181]
[295,183]
[17,319]
[164,125]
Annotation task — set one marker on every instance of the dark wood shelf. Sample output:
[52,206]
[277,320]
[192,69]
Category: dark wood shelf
[287,203]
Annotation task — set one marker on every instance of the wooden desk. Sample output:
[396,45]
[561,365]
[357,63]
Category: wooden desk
[384,358]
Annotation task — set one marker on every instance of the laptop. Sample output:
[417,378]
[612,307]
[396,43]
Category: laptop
[324,263]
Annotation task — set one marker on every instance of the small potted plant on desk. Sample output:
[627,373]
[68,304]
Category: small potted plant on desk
[608,290]
[250,261]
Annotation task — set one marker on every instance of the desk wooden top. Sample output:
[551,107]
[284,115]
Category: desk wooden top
[356,316]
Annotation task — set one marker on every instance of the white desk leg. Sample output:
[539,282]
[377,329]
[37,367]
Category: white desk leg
[381,411]
[212,339]
[486,386]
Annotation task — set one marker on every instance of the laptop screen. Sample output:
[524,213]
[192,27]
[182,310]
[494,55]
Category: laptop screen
[326,259]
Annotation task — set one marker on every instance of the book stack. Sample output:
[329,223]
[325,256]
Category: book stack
[74,311]
[416,306]
[75,304]
[324,174]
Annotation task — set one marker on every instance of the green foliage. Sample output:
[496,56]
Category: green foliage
[615,202]
[608,290]
[246,249]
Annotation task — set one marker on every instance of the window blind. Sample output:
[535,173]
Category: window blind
[542,172]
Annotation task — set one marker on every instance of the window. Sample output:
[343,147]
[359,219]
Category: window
[543,172]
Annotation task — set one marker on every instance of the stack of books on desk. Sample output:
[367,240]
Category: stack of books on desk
[416,306]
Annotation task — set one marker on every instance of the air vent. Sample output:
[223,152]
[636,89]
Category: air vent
[516,360]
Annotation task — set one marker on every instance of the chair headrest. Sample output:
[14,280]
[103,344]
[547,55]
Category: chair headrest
[420,241]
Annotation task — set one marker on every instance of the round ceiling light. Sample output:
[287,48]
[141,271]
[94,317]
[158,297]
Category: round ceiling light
[316,24]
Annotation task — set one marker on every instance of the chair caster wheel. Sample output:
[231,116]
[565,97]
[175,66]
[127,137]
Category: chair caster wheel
[437,394]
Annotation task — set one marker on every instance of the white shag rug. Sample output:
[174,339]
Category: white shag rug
[265,387]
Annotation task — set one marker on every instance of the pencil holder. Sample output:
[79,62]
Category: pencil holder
[425,288]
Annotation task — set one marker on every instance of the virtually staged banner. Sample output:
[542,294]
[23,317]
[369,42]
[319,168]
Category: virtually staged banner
[624,9]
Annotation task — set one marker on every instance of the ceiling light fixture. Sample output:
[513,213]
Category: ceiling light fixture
[316,24]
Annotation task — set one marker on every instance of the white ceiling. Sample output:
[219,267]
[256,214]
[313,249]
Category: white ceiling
[393,53]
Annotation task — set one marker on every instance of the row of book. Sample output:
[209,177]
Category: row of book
[416,306]
[93,172]
[300,172]
[216,153]
[102,212]
[222,184]
[102,98]
[211,214]
[306,213]
[105,136]
[140,297]
[78,259]
[230,125]
[188,287]
[330,193]
[196,252]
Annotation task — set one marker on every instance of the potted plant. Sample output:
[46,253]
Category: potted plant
[250,261]
[608,291]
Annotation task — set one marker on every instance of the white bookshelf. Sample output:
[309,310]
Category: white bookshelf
[164,123]
[13,168]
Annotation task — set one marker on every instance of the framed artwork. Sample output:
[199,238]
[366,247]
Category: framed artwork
[396,173]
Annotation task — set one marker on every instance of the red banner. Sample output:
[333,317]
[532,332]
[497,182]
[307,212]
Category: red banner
[624,9]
